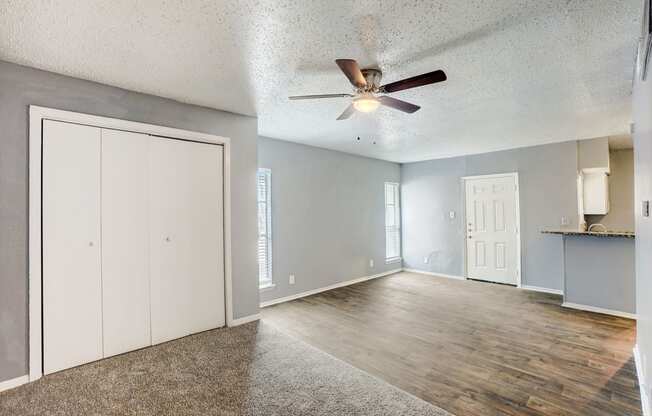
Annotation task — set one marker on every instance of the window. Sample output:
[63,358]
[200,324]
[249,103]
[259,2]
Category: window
[392,223]
[264,199]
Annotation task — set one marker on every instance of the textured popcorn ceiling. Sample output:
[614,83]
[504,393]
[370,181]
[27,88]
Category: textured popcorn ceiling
[521,72]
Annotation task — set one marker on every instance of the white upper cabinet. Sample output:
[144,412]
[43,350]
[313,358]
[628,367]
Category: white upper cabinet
[594,166]
[596,193]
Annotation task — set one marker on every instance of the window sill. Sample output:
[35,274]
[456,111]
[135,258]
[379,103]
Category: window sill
[266,287]
[393,260]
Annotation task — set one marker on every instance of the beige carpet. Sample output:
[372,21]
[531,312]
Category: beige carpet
[249,370]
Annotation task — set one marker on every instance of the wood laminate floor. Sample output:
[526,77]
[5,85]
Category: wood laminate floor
[473,348]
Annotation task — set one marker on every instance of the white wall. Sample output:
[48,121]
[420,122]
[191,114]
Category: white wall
[642,116]
[328,216]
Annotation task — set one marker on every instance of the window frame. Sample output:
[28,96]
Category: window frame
[268,283]
[396,228]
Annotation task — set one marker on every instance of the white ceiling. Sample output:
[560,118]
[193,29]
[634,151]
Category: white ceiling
[521,72]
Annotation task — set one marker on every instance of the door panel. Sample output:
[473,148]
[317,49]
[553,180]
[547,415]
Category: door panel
[491,233]
[186,238]
[125,241]
[480,254]
[72,315]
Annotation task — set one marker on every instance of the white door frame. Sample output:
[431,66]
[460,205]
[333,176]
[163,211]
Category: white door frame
[36,116]
[518,220]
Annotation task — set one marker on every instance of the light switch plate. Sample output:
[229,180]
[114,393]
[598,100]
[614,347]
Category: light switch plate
[371,263]
[426,260]
[646,209]
[451,215]
[564,221]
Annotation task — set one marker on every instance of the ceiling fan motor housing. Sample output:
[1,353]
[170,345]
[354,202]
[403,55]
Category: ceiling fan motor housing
[373,76]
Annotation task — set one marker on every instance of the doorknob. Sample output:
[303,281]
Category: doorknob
[168,239]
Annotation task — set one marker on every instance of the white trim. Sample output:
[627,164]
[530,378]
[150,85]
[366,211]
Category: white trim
[393,260]
[36,115]
[645,401]
[325,288]
[448,276]
[519,269]
[493,175]
[596,309]
[542,289]
[245,320]
[396,190]
[266,175]
[14,382]
[267,287]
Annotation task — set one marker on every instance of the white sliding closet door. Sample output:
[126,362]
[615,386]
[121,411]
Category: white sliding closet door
[72,299]
[125,241]
[186,238]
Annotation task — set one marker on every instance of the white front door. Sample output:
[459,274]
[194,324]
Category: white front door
[492,228]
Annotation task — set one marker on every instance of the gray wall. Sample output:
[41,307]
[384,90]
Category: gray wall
[431,189]
[327,215]
[22,86]
[621,193]
[600,272]
[642,116]
[593,153]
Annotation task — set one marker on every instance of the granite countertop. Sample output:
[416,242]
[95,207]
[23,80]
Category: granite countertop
[623,234]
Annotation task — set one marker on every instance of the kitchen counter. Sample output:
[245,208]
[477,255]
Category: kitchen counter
[623,234]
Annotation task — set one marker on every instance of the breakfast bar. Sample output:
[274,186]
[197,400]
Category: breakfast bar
[598,272]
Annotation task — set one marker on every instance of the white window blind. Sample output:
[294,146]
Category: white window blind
[264,199]
[392,222]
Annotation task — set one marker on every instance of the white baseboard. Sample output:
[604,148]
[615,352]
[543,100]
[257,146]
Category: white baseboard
[542,289]
[245,320]
[324,289]
[596,309]
[448,276]
[645,400]
[14,382]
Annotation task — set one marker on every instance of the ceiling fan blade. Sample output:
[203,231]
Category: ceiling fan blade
[418,81]
[312,97]
[347,113]
[352,71]
[401,105]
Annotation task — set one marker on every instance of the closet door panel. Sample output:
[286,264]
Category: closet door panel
[125,241]
[206,236]
[72,315]
[186,238]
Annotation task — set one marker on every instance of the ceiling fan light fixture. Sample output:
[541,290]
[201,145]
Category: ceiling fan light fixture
[366,104]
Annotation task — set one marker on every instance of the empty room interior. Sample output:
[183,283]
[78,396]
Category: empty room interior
[266,207]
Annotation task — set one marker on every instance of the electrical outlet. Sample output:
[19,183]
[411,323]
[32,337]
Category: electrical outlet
[426,260]
[371,262]
[451,215]
[564,221]
[292,280]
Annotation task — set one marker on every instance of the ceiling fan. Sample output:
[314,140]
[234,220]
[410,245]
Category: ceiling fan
[366,97]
